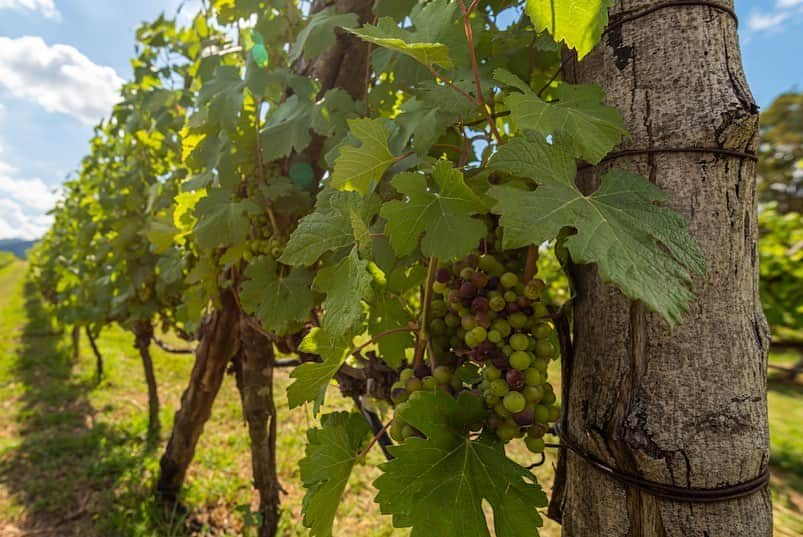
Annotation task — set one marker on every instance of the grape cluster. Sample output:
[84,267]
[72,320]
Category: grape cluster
[491,335]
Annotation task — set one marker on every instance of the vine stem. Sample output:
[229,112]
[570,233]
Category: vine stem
[423,330]
[412,327]
[375,439]
[531,267]
[274,223]
[475,68]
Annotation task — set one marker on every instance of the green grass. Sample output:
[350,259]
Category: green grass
[74,459]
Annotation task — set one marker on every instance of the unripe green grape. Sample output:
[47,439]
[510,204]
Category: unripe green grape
[502,326]
[497,303]
[510,296]
[541,413]
[517,320]
[466,273]
[276,252]
[468,322]
[440,288]
[540,310]
[507,432]
[499,387]
[455,341]
[494,336]
[437,326]
[519,360]
[451,320]
[413,384]
[542,330]
[491,373]
[487,263]
[470,340]
[429,383]
[438,308]
[501,411]
[491,400]
[536,445]
[479,333]
[534,289]
[514,402]
[507,350]
[508,280]
[519,342]
[406,374]
[544,349]
[554,413]
[533,394]
[533,377]
[399,395]
[540,364]
[442,374]
[397,430]
[549,398]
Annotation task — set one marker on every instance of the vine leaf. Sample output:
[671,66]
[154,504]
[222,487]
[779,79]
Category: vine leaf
[345,284]
[319,33]
[360,168]
[224,94]
[288,129]
[281,303]
[443,213]
[387,313]
[388,35]
[532,156]
[221,221]
[578,114]
[331,453]
[337,222]
[578,23]
[644,249]
[312,378]
[437,485]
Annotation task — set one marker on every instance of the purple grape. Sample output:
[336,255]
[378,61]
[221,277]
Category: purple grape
[515,379]
[479,279]
[512,308]
[525,418]
[467,290]
[443,275]
[500,361]
[422,371]
[472,260]
[493,283]
[480,305]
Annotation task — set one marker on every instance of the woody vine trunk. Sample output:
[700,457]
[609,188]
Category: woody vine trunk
[689,407]
[253,368]
[143,332]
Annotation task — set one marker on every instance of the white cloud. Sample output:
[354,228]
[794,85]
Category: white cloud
[759,21]
[781,4]
[58,78]
[45,7]
[33,193]
[16,224]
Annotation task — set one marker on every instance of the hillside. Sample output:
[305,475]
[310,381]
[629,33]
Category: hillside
[18,247]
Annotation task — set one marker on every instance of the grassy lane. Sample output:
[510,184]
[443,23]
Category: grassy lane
[74,461]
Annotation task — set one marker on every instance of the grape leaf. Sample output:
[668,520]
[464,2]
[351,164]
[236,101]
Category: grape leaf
[387,313]
[312,378]
[437,485]
[388,35]
[644,249]
[221,221]
[578,114]
[532,156]
[345,284]
[360,168]
[331,453]
[578,23]
[281,303]
[319,33]
[224,94]
[334,224]
[443,215]
[288,129]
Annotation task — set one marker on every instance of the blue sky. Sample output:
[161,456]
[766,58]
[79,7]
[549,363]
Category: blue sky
[61,62]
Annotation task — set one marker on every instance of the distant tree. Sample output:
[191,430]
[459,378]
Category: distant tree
[780,168]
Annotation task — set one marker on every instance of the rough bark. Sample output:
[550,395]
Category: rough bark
[253,368]
[219,337]
[143,332]
[98,356]
[689,407]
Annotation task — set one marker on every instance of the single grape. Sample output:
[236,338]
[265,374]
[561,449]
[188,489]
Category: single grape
[487,262]
[509,280]
[491,373]
[549,398]
[396,430]
[466,273]
[413,384]
[502,326]
[533,394]
[499,387]
[541,414]
[519,342]
[443,275]
[540,310]
[468,322]
[497,303]
[491,400]
[399,395]
[501,410]
[493,282]
[533,377]
[525,418]
[437,326]
[517,320]
[510,296]
[542,330]
[514,402]
[451,320]
[520,360]
[442,374]
[429,384]
[554,413]
[406,374]
[515,379]
[536,430]
[480,305]
[536,445]
[473,260]
[483,319]
[440,288]
[540,364]
[544,349]
[507,432]
[479,333]
[479,279]
[422,371]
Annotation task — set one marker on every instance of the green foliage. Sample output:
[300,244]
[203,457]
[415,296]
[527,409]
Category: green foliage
[780,166]
[361,168]
[331,454]
[781,257]
[578,23]
[437,485]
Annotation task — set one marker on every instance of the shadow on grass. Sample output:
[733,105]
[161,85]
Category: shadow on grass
[72,474]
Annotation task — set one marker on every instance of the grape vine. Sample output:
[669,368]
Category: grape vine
[391,207]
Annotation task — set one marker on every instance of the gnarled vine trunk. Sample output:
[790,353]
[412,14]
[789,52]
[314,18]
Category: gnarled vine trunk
[143,332]
[253,368]
[96,351]
[219,343]
[686,407]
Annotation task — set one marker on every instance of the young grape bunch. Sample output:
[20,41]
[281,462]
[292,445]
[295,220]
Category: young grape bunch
[491,335]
